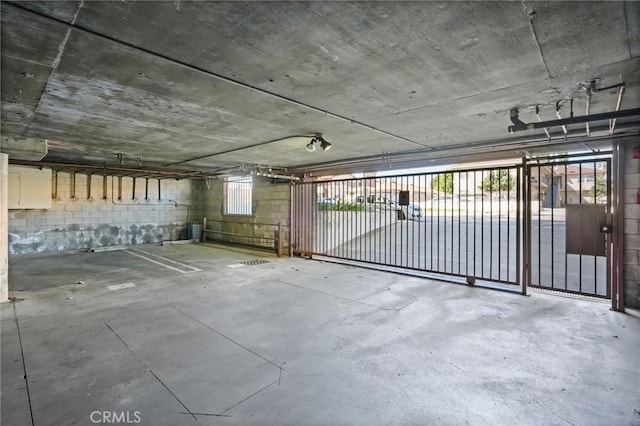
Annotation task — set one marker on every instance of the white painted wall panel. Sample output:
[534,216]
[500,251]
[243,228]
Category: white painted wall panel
[29,188]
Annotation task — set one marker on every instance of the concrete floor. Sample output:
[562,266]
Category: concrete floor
[294,341]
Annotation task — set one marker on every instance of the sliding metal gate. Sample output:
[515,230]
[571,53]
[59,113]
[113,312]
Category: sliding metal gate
[569,240]
[464,223]
[474,223]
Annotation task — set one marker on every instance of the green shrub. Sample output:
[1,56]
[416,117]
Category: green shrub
[341,207]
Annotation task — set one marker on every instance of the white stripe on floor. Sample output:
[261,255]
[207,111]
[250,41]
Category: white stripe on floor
[120,286]
[236,265]
[167,260]
[157,263]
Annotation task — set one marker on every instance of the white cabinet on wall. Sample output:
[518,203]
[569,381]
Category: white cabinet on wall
[29,188]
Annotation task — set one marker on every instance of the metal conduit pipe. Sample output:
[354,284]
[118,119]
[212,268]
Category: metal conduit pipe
[188,206]
[115,170]
[618,104]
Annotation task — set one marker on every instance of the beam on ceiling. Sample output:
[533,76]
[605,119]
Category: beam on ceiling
[496,150]
[24,148]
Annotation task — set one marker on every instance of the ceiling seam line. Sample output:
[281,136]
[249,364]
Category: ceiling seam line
[626,26]
[535,38]
[218,76]
[54,67]
[461,98]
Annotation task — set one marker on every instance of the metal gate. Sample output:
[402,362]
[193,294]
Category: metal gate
[568,224]
[464,223]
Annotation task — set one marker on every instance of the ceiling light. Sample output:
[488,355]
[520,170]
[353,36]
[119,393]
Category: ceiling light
[311,146]
[326,146]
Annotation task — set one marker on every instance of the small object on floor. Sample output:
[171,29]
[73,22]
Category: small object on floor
[106,248]
[120,286]
[177,242]
[70,298]
[80,282]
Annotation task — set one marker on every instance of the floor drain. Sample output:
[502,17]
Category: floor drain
[254,262]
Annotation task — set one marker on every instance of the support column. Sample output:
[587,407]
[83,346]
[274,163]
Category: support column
[4,227]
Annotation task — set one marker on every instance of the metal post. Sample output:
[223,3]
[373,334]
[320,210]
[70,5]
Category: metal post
[522,199]
[204,229]
[291,227]
[279,239]
[54,185]
[73,185]
[616,246]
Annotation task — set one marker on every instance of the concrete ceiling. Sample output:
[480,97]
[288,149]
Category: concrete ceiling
[212,85]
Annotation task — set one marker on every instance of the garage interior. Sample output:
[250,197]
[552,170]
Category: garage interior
[196,196]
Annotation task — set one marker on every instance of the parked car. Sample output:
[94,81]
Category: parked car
[328,201]
[414,211]
[375,199]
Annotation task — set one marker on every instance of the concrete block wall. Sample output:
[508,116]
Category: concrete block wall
[631,228]
[80,223]
[270,206]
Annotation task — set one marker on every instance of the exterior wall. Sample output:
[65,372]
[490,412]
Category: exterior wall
[79,223]
[631,229]
[270,206]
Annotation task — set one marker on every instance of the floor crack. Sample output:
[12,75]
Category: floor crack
[227,337]
[151,371]
[250,396]
[24,364]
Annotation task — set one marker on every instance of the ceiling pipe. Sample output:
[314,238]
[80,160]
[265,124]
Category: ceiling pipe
[587,111]
[518,125]
[546,131]
[564,128]
[277,176]
[230,151]
[612,125]
[112,170]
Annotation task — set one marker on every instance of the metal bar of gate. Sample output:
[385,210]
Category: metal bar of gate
[372,227]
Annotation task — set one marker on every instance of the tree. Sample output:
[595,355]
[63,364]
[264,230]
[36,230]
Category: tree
[599,190]
[443,183]
[498,180]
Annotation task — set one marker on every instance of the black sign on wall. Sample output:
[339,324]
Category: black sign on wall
[403,198]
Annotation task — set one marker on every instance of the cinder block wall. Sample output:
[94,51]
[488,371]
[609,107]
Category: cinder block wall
[270,206]
[631,229]
[80,223]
